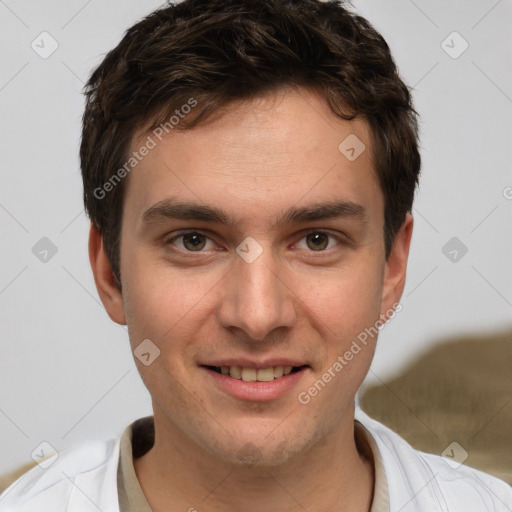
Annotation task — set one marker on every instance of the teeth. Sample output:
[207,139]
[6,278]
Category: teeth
[235,372]
[253,375]
[248,374]
[265,375]
[278,372]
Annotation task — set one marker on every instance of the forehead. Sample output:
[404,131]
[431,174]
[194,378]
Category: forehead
[258,156]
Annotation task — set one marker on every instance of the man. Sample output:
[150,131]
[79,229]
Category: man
[249,169]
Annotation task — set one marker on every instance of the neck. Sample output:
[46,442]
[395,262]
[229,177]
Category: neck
[335,473]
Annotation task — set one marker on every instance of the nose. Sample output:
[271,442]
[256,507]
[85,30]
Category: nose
[256,299]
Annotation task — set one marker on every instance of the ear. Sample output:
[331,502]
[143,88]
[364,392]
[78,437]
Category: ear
[395,267]
[106,284]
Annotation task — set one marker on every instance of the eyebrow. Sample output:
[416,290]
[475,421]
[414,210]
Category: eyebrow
[184,210]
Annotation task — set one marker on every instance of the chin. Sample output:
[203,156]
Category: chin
[265,450]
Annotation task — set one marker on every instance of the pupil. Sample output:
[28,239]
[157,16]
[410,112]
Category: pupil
[319,241]
[193,241]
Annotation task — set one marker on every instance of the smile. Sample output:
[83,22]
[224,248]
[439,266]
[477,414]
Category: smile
[254,374]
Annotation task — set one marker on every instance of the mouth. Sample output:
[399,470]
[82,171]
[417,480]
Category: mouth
[247,374]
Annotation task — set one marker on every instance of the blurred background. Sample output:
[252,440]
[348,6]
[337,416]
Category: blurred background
[441,375]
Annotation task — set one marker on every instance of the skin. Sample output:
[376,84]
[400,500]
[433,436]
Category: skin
[255,161]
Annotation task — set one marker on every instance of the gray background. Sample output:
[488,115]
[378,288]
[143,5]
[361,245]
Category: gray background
[66,372]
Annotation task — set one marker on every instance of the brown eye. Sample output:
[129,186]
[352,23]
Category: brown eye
[194,241]
[317,241]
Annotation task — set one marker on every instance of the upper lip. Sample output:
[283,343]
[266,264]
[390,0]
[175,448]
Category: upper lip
[258,365]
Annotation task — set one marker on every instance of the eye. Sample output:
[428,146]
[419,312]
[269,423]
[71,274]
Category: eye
[319,241]
[191,242]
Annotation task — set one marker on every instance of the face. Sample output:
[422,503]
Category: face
[250,245]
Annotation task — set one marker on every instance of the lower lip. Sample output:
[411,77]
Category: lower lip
[256,391]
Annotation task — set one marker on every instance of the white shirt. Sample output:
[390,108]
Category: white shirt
[84,479]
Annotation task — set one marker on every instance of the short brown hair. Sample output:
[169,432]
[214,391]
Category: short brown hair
[217,51]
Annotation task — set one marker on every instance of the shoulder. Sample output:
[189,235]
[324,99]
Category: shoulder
[69,477]
[480,490]
[420,481]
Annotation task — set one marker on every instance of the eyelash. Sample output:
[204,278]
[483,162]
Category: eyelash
[339,239]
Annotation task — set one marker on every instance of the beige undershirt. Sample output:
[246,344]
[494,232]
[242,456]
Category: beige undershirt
[138,438]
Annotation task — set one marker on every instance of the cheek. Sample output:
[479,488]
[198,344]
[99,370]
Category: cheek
[346,312]
[345,301]
[160,301]
[165,309]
